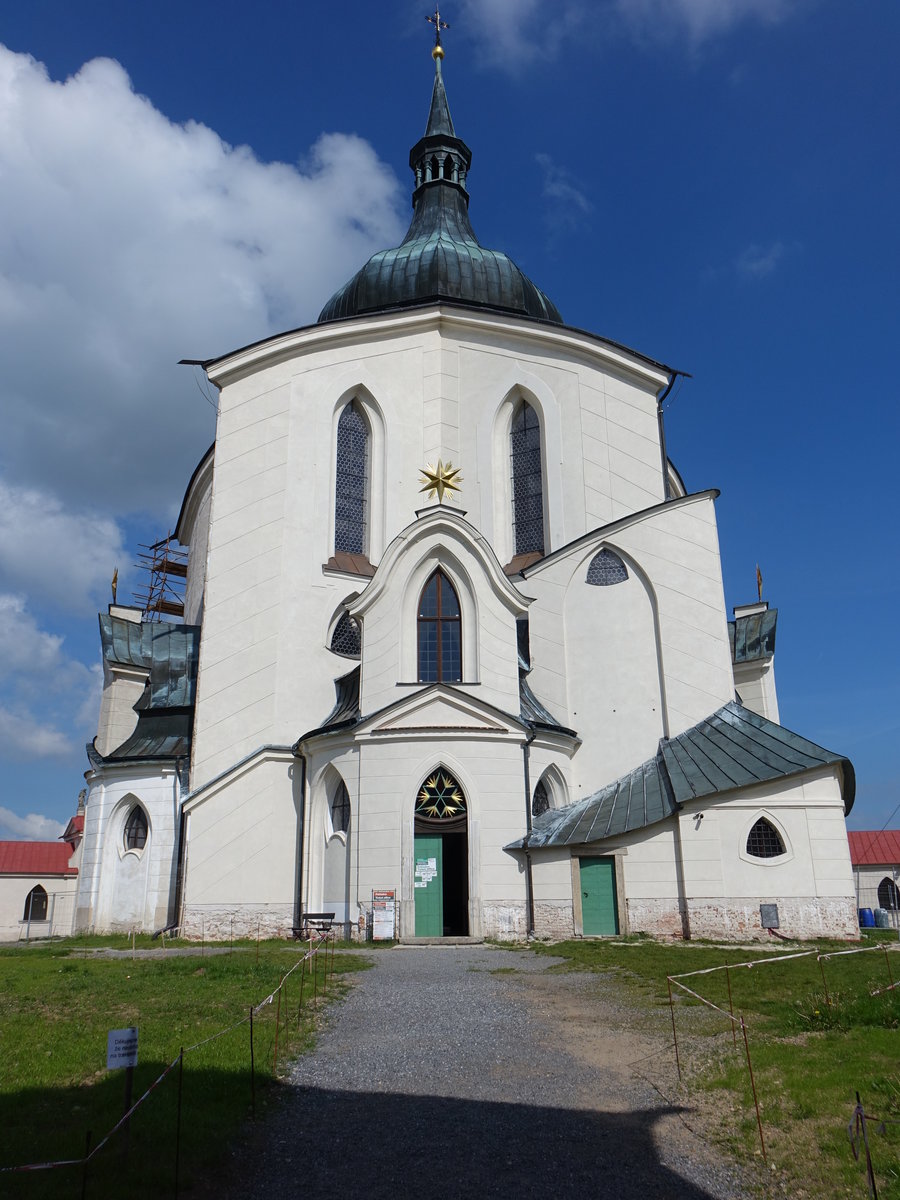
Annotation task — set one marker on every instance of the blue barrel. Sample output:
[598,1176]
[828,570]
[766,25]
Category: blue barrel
[882,918]
[866,919]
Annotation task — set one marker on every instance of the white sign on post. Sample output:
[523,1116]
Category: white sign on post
[121,1048]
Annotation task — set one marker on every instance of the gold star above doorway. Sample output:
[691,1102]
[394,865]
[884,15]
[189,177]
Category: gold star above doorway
[440,479]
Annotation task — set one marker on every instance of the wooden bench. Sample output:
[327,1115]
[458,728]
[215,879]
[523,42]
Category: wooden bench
[314,922]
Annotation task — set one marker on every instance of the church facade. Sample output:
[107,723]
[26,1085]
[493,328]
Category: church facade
[454,629]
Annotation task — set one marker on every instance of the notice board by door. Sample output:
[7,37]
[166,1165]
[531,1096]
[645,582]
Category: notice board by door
[599,911]
[429,885]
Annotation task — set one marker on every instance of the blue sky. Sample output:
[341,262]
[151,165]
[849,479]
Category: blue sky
[712,182]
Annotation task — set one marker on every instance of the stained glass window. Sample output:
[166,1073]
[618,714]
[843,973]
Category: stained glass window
[346,638]
[351,481]
[541,801]
[439,632]
[136,829]
[606,568]
[340,809]
[440,797]
[527,480]
[764,841]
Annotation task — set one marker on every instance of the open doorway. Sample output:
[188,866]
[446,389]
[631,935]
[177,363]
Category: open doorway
[441,873]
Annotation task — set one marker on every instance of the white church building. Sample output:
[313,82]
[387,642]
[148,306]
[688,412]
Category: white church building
[455,629]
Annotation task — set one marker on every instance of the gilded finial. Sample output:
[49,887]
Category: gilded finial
[440,479]
[438,52]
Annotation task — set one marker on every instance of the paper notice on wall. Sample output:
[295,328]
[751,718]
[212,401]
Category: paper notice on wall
[418,884]
[384,908]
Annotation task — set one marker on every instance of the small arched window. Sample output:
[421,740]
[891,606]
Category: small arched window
[439,632]
[527,480]
[764,840]
[888,894]
[606,568]
[346,638]
[540,802]
[136,829]
[340,809]
[351,481]
[36,905]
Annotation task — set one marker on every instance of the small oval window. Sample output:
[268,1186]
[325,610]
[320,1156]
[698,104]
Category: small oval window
[136,829]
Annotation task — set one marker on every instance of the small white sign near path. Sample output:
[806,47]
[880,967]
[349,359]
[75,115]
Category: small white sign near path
[121,1048]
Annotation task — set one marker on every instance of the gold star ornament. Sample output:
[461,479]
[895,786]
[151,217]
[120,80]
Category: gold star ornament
[440,479]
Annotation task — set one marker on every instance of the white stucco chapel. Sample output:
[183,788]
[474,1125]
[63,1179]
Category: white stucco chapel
[455,628]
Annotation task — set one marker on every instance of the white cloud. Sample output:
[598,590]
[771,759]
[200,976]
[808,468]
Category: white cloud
[127,242]
[568,202]
[756,262]
[514,34]
[33,827]
[24,736]
[55,551]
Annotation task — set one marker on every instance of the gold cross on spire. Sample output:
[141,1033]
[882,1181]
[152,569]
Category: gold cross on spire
[438,51]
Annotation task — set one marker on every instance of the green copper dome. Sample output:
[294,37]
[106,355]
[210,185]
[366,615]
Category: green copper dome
[440,258]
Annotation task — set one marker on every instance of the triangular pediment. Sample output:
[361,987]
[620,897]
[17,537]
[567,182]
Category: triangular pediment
[441,710]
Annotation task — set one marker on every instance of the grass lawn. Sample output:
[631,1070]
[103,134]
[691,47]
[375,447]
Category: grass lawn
[810,1054]
[57,1003]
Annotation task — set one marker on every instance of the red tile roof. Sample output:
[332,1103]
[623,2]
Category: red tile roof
[872,848]
[36,858]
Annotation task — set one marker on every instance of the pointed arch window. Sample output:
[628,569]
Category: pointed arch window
[540,802]
[351,481]
[606,568]
[346,638]
[439,632]
[340,809]
[527,480]
[136,829]
[764,840]
[36,905]
[888,894]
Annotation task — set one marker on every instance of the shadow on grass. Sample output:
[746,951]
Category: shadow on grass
[50,1124]
[396,1146]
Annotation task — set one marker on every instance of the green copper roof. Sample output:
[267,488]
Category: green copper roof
[752,637]
[734,748]
[440,258]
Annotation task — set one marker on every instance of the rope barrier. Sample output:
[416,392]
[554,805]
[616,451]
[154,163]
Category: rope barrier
[313,950]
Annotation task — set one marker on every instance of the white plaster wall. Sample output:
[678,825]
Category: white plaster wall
[119,888]
[122,688]
[673,654]
[754,682]
[194,533]
[243,844]
[14,891]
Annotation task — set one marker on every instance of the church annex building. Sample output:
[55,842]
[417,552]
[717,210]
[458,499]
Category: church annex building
[506,689]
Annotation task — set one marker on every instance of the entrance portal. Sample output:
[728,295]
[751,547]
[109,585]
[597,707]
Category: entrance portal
[441,882]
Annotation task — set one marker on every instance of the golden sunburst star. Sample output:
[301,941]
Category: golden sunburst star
[440,479]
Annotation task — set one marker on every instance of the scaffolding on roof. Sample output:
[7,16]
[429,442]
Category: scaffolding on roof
[164,567]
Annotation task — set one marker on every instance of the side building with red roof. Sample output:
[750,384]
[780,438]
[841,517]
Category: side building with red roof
[37,885]
[875,855]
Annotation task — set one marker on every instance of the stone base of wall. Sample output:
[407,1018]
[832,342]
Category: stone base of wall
[553,920]
[739,921]
[505,922]
[212,923]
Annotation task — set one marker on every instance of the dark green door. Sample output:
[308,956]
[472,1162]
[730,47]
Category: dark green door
[428,887]
[599,914]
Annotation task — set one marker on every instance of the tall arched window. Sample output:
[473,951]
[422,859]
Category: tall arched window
[541,801]
[36,905]
[351,481]
[439,632]
[527,480]
[340,809]
[136,829]
[888,894]
[764,840]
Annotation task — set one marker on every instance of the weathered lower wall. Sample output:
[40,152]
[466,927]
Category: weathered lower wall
[554,920]
[729,920]
[505,921]
[219,923]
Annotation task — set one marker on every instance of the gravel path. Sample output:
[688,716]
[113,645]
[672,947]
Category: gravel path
[461,1071]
